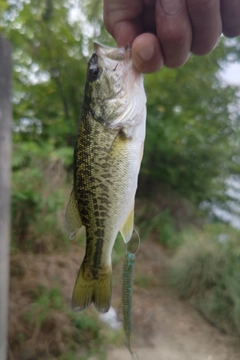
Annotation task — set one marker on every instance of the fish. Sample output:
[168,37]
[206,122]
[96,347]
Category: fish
[107,158]
[127,290]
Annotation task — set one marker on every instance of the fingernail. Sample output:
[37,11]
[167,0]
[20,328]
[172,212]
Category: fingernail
[146,53]
[171,7]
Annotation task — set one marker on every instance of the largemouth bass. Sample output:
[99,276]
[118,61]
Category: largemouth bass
[107,158]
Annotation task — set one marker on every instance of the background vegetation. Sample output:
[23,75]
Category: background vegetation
[191,154]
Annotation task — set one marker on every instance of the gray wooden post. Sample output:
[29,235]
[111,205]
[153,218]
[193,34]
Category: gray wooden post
[5,185]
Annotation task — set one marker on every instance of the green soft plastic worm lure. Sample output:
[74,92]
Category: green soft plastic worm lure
[128,277]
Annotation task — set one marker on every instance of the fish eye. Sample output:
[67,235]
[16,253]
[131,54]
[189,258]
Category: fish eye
[95,72]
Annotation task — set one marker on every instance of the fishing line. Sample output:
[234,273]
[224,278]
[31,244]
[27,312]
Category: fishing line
[53,337]
[139,243]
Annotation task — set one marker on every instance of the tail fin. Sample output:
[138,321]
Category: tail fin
[92,286]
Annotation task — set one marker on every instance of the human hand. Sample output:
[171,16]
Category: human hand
[166,31]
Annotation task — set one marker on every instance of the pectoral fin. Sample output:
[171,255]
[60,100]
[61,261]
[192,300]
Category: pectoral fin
[127,228]
[73,220]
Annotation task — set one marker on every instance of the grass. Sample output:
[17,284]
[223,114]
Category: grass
[44,300]
[52,328]
[206,270]
[158,224]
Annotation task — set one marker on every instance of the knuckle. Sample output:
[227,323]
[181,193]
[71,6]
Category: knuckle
[176,45]
[202,6]
[175,36]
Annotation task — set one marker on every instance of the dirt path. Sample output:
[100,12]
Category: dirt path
[166,328]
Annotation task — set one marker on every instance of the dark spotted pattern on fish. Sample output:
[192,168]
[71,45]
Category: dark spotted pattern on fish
[91,187]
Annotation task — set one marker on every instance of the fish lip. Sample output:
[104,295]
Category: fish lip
[117,54]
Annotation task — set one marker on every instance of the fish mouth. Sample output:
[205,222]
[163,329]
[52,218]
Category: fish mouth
[118,54]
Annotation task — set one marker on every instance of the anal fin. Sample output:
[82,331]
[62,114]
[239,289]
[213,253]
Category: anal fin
[127,228]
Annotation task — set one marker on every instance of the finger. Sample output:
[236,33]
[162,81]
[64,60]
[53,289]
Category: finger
[125,32]
[230,11]
[122,19]
[206,24]
[148,18]
[174,31]
[146,53]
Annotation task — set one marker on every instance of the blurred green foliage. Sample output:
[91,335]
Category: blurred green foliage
[162,225]
[44,300]
[37,195]
[206,270]
[191,133]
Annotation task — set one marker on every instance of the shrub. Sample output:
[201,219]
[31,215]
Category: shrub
[206,270]
[38,198]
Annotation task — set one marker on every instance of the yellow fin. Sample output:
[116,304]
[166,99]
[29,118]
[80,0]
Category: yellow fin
[73,220]
[127,228]
[92,286]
